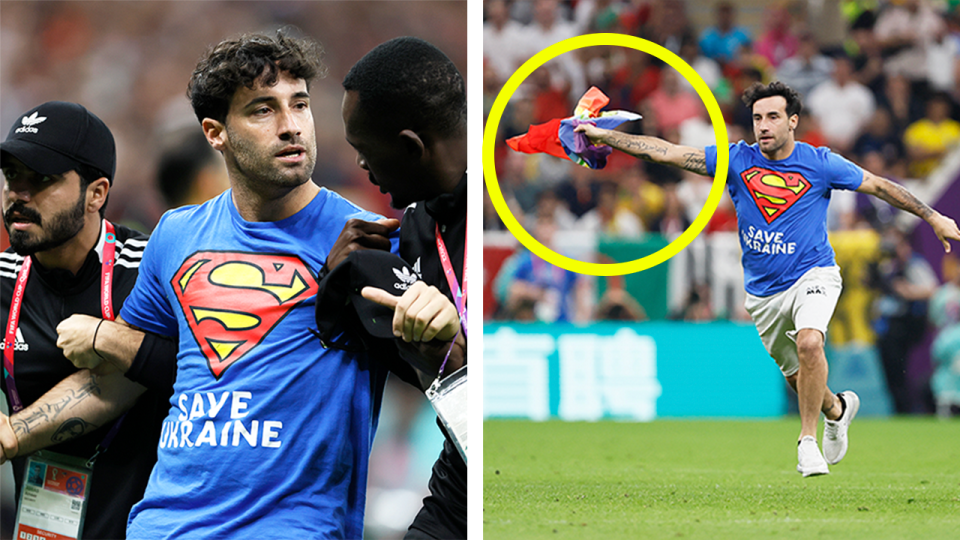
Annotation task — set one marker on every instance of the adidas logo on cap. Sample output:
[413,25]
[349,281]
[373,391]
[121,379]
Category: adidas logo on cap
[30,121]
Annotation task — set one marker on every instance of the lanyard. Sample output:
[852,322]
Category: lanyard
[106,307]
[460,296]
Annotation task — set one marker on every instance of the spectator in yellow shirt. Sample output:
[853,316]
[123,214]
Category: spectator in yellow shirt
[931,137]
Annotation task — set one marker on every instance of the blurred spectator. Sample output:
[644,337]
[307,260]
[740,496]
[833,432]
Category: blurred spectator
[516,182]
[867,57]
[698,306]
[189,171]
[674,220]
[929,138]
[551,93]
[551,208]
[697,131]
[547,28]
[505,43]
[669,105]
[531,289]
[906,30]
[906,282]
[640,195]
[707,68]
[808,130]
[609,217]
[807,69]
[879,136]
[943,60]
[841,105]
[668,24]
[616,304]
[491,220]
[875,213]
[945,352]
[721,42]
[899,99]
[777,42]
[634,80]
[580,192]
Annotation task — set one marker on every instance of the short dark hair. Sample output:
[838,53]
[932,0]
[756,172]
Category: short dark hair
[87,175]
[182,156]
[246,60]
[409,82]
[758,91]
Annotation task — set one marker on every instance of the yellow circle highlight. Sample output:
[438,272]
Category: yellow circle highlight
[583,267]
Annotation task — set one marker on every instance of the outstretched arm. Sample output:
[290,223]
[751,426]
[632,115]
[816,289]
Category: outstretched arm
[78,405]
[898,196]
[649,148]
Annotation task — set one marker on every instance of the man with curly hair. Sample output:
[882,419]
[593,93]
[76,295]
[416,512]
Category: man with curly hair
[267,433]
[781,189]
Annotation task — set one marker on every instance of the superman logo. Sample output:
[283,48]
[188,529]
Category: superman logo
[774,191]
[233,300]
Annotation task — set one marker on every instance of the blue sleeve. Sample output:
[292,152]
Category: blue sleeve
[147,305]
[843,174]
[710,153]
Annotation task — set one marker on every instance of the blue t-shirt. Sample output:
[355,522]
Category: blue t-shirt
[782,210]
[268,433]
[559,283]
[723,47]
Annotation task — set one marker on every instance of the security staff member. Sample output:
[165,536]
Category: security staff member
[404,111]
[58,163]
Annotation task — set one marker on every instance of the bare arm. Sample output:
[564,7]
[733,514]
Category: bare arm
[86,345]
[649,148]
[78,405]
[898,196]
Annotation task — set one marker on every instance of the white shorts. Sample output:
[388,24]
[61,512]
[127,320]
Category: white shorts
[808,303]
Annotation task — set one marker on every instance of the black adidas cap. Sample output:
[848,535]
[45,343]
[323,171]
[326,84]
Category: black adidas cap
[55,137]
[341,305]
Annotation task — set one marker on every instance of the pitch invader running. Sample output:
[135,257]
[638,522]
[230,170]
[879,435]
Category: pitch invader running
[780,189]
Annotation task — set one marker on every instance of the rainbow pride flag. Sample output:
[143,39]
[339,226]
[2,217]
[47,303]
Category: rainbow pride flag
[558,139]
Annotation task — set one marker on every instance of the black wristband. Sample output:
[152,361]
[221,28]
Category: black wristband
[95,340]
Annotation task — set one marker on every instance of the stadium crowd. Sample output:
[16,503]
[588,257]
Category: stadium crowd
[130,63]
[880,88]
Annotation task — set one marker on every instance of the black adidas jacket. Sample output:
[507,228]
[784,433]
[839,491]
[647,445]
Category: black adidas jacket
[444,512]
[120,474]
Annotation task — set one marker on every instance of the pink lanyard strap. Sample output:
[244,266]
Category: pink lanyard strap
[106,306]
[459,295]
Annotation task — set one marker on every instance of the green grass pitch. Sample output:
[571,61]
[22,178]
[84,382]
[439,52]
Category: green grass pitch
[718,479]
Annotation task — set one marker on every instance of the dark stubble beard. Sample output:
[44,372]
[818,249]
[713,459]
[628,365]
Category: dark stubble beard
[59,229]
[259,166]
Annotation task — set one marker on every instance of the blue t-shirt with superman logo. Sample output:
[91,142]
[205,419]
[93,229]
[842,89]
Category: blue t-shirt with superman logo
[782,210]
[268,433]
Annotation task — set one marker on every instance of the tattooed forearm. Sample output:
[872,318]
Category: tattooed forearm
[898,196]
[39,414]
[73,427]
[695,162]
[638,146]
[20,427]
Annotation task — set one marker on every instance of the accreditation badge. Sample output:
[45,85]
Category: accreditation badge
[54,498]
[449,399]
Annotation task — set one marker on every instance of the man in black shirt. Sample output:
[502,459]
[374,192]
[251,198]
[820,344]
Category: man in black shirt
[404,111]
[58,164]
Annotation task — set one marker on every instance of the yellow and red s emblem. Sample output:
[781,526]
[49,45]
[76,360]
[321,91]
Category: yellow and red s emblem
[232,300]
[774,191]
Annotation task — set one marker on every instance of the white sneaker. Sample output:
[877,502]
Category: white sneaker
[810,460]
[835,431]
